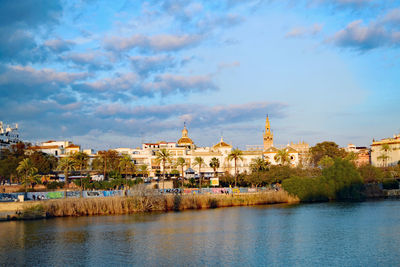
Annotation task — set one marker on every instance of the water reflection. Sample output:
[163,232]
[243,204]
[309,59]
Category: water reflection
[356,234]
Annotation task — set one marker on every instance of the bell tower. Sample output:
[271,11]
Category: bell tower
[268,137]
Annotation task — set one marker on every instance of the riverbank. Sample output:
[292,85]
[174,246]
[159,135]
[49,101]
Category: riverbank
[139,203]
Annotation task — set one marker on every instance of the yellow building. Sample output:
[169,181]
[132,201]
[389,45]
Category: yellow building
[386,152]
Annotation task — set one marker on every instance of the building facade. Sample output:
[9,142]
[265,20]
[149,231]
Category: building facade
[362,154]
[386,152]
[8,136]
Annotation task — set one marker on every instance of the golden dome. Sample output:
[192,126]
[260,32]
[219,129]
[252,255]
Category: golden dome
[222,144]
[185,140]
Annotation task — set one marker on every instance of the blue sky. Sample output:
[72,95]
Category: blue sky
[106,74]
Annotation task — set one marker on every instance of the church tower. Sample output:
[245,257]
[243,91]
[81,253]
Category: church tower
[268,135]
[185,140]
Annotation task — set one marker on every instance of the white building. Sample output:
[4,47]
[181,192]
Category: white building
[56,148]
[8,136]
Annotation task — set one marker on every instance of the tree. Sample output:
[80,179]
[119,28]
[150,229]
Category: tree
[370,174]
[45,163]
[10,159]
[199,161]
[326,162]
[67,165]
[258,165]
[162,157]
[81,160]
[235,155]
[282,157]
[385,149]
[126,163]
[180,162]
[25,168]
[256,178]
[108,160]
[326,148]
[345,178]
[214,164]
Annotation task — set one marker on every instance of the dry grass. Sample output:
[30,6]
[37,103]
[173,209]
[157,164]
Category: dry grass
[144,203]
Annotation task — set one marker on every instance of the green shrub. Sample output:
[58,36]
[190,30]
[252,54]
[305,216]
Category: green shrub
[341,181]
[309,189]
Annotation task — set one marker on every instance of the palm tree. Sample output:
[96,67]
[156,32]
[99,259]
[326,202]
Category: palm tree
[180,162]
[214,164]
[235,155]
[282,157]
[25,168]
[162,157]
[67,165]
[109,160]
[258,165]
[199,161]
[126,163]
[81,159]
[143,170]
[384,156]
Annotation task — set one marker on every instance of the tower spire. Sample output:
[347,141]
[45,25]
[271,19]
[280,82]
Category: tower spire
[268,137]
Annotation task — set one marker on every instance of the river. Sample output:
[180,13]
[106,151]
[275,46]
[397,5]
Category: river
[338,234]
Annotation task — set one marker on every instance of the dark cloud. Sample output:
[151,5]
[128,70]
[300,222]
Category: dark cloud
[20,22]
[43,119]
[129,85]
[29,13]
[22,83]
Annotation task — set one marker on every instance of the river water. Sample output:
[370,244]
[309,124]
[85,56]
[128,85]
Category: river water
[338,234]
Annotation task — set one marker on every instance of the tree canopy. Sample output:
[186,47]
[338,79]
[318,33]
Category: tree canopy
[327,148]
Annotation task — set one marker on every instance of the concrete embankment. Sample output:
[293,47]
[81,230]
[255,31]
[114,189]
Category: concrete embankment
[139,203]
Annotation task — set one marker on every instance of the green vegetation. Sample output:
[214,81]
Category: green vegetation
[181,163]
[199,161]
[236,155]
[28,172]
[214,164]
[163,157]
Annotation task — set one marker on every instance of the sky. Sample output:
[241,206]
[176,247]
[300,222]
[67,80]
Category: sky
[108,74]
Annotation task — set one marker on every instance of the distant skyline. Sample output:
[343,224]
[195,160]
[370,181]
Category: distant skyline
[106,74]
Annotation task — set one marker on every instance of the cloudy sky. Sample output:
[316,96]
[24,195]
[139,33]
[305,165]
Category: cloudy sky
[106,74]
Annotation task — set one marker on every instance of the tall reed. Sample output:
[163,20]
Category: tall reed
[145,203]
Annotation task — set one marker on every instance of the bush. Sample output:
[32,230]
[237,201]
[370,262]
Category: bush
[341,181]
[309,189]
[390,184]
[345,179]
